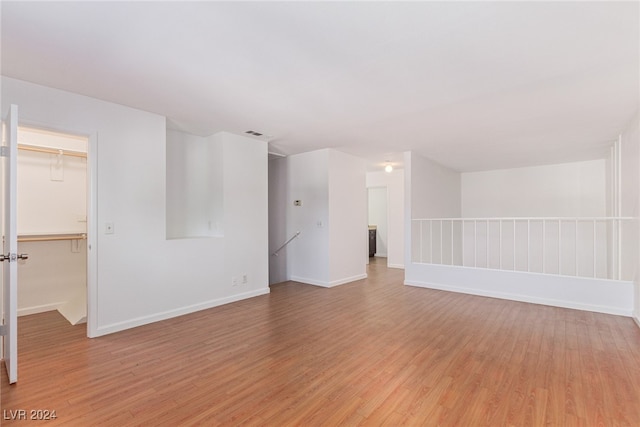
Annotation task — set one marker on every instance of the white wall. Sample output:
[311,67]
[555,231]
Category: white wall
[377,197]
[308,181]
[435,189]
[561,190]
[141,276]
[394,183]
[630,194]
[348,231]
[604,296]
[630,201]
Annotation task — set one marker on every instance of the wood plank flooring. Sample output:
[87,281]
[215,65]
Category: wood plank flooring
[373,352]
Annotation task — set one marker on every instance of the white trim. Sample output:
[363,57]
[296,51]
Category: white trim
[533,218]
[39,308]
[309,281]
[328,284]
[380,255]
[636,318]
[92,236]
[144,320]
[521,298]
[400,266]
[536,273]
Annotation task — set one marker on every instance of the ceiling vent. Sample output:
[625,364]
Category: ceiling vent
[254,133]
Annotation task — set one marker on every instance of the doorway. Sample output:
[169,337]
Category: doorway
[378,220]
[52,223]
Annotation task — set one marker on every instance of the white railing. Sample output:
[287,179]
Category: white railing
[584,247]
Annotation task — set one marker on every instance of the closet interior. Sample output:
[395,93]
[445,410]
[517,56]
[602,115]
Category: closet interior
[52,223]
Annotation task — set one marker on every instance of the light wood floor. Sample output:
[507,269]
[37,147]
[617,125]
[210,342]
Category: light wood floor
[373,352]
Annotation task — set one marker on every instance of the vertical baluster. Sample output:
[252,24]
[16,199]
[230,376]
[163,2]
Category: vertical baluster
[451,242]
[462,237]
[475,243]
[431,242]
[514,244]
[441,252]
[421,241]
[619,258]
[559,246]
[528,245]
[595,263]
[544,235]
[486,253]
[575,238]
[500,246]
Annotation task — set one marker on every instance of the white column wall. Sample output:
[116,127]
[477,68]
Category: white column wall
[308,181]
[348,238]
[332,246]
[630,193]
[630,202]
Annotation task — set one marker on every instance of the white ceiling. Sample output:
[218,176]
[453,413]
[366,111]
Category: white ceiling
[474,86]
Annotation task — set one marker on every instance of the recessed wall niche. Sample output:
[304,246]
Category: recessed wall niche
[195,202]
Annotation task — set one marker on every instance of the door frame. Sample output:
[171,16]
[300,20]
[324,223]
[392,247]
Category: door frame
[92,212]
[384,187]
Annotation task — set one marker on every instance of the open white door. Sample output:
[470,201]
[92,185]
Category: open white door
[10,247]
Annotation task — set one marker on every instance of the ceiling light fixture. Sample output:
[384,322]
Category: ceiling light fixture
[388,168]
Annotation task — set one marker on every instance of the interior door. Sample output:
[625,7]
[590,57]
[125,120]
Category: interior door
[10,247]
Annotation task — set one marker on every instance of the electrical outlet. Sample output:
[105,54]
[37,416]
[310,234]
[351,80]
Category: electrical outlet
[234,281]
[244,279]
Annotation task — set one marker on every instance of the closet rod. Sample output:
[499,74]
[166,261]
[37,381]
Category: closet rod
[51,150]
[52,237]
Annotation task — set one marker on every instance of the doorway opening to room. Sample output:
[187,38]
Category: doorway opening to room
[378,222]
[52,200]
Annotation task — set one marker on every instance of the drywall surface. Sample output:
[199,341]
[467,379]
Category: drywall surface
[562,190]
[308,183]
[140,276]
[348,239]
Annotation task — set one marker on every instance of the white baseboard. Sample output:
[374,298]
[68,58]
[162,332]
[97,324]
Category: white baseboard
[400,266]
[331,284]
[380,255]
[308,281]
[636,318]
[39,308]
[144,320]
[522,298]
